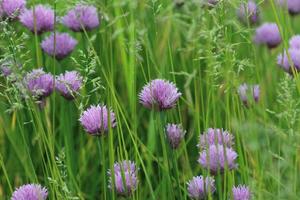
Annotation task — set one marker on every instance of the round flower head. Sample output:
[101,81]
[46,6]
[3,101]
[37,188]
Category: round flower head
[218,158]
[82,17]
[241,192]
[215,136]
[293,6]
[199,187]
[64,45]
[159,94]
[286,64]
[39,83]
[295,42]
[175,134]
[125,178]
[12,8]
[68,84]
[248,12]
[268,34]
[246,91]
[30,192]
[95,120]
[40,18]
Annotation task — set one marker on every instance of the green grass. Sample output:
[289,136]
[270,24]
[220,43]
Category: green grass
[206,52]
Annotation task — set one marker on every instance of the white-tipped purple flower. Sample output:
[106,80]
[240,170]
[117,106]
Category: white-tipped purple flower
[59,45]
[175,134]
[30,192]
[248,12]
[40,19]
[199,187]
[125,178]
[218,158]
[159,94]
[287,63]
[268,34]
[249,92]
[215,136]
[39,83]
[12,8]
[68,84]
[241,192]
[295,42]
[82,17]
[97,119]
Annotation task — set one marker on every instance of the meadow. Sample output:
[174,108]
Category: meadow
[168,99]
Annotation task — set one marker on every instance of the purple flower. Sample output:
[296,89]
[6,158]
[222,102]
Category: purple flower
[82,17]
[159,94]
[215,136]
[125,178]
[199,187]
[12,8]
[6,68]
[241,192]
[40,18]
[175,134]
[286,64]
[68,84]
[295,42]
[95,120]
[64,45]
[30,192]
[268,34]
[246,91]
[293,6]
[39,83]
[218,158]
[248,12]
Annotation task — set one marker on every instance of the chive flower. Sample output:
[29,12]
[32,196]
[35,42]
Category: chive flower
[59,45]
[159,94]
[218,158]
[268,34]
[199,187]
[125,178]
[248,12]
[287,63]
[30,192]
[40,19]
[39,83]
[68,84]
[12,8]
[96,120]
[249,92]
[295,42]
[241,192]
[293,6]
[82,17]
[175,134]
[215,136]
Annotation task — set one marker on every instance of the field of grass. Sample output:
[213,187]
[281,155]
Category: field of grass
[206,52]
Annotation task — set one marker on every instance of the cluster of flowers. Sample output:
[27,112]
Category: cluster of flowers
[216,152]
[216,155]
[41,19]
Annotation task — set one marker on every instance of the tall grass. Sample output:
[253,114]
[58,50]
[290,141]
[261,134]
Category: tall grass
[206,52]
